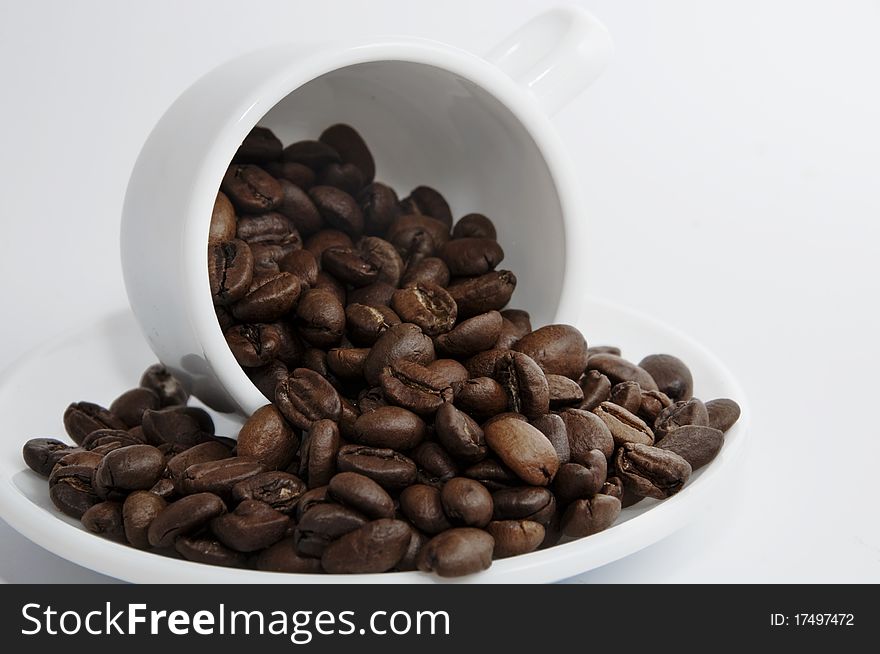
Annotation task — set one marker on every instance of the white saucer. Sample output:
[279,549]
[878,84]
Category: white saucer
[99,362]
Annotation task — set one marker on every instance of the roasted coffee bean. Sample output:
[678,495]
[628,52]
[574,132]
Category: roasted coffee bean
[375,547]
[100,439]
[426,305]
[184,425]
[252,526]
[347,265]
[460,434]
[619,370]
[524,503]
[515,537]
[313,154]
[269,298]
[266,258]
[375,294]
[351,148]
[481,397]
[183,517]
[466,502]
[303,265]
[292,172]
[520,318]
[310,498]
[130,406]
[613,487]
[78,457]
[383,256]
[564,392]
[476,295]
[492,474]
[211,551]
[327,238]
[670,373]
[366,323]
[558,349]
[686,412]
[624,426]
[416,236]
[138,512]
[378,204]
[471,256]
[696,444]
[403,341]
[283,557]
[651,471]
[524,449]
[305,397]
[218,477]
[553,427]
[135,467]
[651,404]
[417,541]
[280,490]
[251,189]
[586,431]
[457,552]
[434,464]
[586,517]
[296,205]
[450,370]
[422,506]
[105,519]
[390,427]
[267,438]
[604,349]
[427,270]
[414,387]
[326,282]
[347,362]
[361,494]
[370,399]
[427,201]
[471,336]
[292,349]
[254,345]
[319,452]
[202,453]
[596,388]
[524,382]
[474,225]
[723,414]
[575,481]
[169,389]
[82,418]
[259,146]
[41,454]
[349,415]
[322,524]
[338,209]
[508,336]
[321,318]
[391,470]
[627,395]
[346,177]
[223,221]
[70,489]
[269,227]
[483,364]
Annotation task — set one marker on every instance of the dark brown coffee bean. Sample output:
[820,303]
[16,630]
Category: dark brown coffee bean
[267,438]
[135,467]
[471,256]
[347,362]
[218,477]
[223,220]
[309,499]
[515,537]
[319,452]
[651,404]
[575,481]
[327,282]
[82,418]
[208,451]
[520,319]
[466,502]
[686,412]
[723,414]
[346,177]
[558,349]
[70,489]
[361,494]
[460,434]
[254,345]
[383,256]
[327,238]
[130,406]
[305,397]
[696,444]
[370,399]
[230,270]
[292,172]
[390,427]
[586,517]
[80,458]
[524,382]
[564,392]
[296,205]
[313,154]
[375,547]
[403,341]
[391,470]
[251,189]
[322,524]
[471,336]
[253,526]
[378,204]
[457,552]
[483,364]
[421,504]
[259,146]
[414,387]
[185,516]
[450,370]
[303,265]
[586,431]
[435,465]
[508,336]
[375,294]
[351,148]
[269,298]
[41,454]
[553,427]
[670,373]
[624,426]
[524,449]
[416,236]
[492,474]
[627,395]
[138,512]
[182,425]
[429,202]
[209,551]
[596,388]
[417,541]
[105,519]
[426,305]
[481,397]
[283,557]
[321,318]
[476,295]
[338,209]
[169,389]
[613,487]
[347,265]
[103,437]
[650,471]
[620,370]
[474,225]
[366,323]
[280,490]
[269,227]
[427,270]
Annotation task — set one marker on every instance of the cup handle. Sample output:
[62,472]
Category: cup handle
[555,55]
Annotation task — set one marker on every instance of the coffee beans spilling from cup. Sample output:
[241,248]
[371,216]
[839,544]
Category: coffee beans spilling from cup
[414,422]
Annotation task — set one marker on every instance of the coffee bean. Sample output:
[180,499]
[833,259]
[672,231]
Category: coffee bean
[586,517]
[259,146]
[624,426]
[347,265]
[267,438]
[135,467]
[426,270]
[613,486]
[184,425]
[347,362]
[627,395]
[564,392]
[378,204]
[251,189]
[492,474]
[82,418]
[723,414]
[296,205]
[81,458]
[169,389]
[105,519]
[313,154]
[515,537]
[292,172]
[70,489]
[471,256]
[366,323]
[524,503]
[253,345]
[471,336]
[686,412]
[417,541]
[414,387]
[460,434]
[223,220]
[346,177]
[596,388]
[403,341]
[421,504]
[383,256]
[651,404]
[435,465]
[361,494]
[280,490]
[269,227]
[481,397]
[553,427]
[620,370]
[303,265]
[208,550]
[586,432]
[218,477]
[575,481]
[338,209]
[138,512]
[305,397]
[449,369]
[319,452]
[671,375]
[375,547]
[268,298]
[390,427]
[650,471]
[322,524]
[558,349]
[375,294]
[524,449]
[351,148]
[474,225]
[202,453]
[327,238]
[426,305]
[328,283]
[483,363]
[457,552]
[185,516]
[427,201]
[252,526]
[466,502]
[476,295]
[524,382]
[130,406]
[309,499]
[41,454]
[283,557]
[391,470]
[696,444]
[321,318]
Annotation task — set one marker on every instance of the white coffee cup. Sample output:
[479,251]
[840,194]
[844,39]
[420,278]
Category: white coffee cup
[477,129]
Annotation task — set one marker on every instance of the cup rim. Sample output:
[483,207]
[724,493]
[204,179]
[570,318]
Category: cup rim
[326,59]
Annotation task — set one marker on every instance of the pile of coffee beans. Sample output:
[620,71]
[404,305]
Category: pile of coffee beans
[413,421]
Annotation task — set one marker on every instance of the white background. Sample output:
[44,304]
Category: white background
[731,163]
